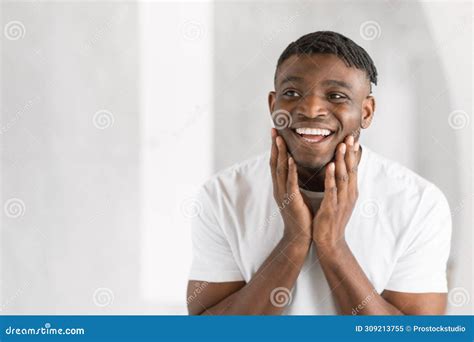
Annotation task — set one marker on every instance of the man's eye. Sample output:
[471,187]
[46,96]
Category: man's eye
[337,96]
[291,93]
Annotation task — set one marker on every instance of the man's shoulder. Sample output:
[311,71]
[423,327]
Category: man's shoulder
[398,180]
[242,175]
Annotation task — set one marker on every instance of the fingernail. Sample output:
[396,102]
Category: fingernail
[356,146]
[350,140]
[331,166]
[343,148]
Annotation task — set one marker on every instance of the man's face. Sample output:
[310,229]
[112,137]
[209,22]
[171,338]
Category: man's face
[319,92]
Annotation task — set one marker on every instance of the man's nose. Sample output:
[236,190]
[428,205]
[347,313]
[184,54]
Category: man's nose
[312,106]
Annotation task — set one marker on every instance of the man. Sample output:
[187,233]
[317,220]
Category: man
[329,227]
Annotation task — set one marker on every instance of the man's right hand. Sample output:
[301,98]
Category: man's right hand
[282,266]
[297,216]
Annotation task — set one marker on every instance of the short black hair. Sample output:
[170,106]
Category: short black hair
[332,43]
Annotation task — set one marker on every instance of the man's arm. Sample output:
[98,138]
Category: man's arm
[280,270]
[350,286]
[356,295]
[417,303]
[261,295]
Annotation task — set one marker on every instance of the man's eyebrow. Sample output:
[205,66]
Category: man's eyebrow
[337,83]
[291,79]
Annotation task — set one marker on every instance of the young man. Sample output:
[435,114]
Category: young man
[321,224]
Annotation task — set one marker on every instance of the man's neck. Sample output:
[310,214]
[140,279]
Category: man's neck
[313,179]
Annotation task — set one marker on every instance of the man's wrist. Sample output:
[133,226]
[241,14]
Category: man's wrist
[298,245]
[332,252]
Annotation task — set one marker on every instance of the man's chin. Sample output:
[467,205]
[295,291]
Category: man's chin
[312,161]
[311,165]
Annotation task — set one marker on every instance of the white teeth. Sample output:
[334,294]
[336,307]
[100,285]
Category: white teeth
[313,131]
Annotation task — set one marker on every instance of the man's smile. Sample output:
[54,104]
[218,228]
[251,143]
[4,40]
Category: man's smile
[313,135]
[312,144]
[311,140]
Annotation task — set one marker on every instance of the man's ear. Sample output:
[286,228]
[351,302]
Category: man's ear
[368,110]
[271,101]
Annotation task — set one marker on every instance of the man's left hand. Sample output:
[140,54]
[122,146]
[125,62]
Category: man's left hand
[340,196]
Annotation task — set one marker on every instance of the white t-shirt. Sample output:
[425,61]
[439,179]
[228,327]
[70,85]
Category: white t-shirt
[399,231]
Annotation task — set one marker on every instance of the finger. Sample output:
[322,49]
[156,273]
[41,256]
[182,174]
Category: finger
[341,171]
[282,164]
[307,202]
[274,150]
[330,190]
[292,187]
[351,164]
[273,160]
[350,156]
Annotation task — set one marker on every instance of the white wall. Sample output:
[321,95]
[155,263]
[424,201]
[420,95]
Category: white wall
[453,44]
[177,142]
[76,244]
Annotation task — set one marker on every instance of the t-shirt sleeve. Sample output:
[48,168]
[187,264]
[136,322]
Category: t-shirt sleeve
[213,260]
[421,268]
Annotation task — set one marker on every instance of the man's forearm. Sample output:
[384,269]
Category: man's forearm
[280,269]
[350,286]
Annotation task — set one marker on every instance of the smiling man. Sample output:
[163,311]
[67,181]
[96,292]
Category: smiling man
[320,224]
